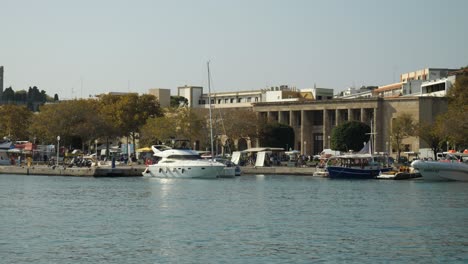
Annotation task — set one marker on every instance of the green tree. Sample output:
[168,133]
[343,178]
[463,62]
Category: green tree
[350,135]
[177,101]
[276,135]
[181,123]
[75,121]
[403,126]
[433,135]
[130,112]
[14,121]
[8,95]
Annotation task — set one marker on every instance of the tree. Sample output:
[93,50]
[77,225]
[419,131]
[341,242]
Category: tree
[276,135]
[238,123]
[8,95]
[77,122]
[433,135]
[130,112]
[455,121]
[403,126]
[350,136]
[177,101]
[14,121]
[182,123]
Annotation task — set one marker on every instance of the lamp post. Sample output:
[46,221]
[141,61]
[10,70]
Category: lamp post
[386,147]
[305,148]
[95,144]
[58,149]
[329,142]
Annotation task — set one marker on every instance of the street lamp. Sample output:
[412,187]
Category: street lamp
[386,147]
[329,142]
[95,143]
[305,148]
[58,148]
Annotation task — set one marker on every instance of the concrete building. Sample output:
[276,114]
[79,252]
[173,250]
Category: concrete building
[313,121]
[412,83]
[438,87]
[163,96]
[198,99]
[192,94]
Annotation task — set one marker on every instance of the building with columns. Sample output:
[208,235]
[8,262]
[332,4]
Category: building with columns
[313,121]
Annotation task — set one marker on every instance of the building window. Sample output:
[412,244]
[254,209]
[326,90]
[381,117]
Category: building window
[219,101]
[249,99]
[239,100]
[232,100]
[226,100]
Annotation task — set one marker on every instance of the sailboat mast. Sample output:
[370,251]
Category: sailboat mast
[209,104]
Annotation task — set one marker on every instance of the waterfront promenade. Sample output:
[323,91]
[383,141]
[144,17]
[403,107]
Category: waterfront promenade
[134,171]
[93,171]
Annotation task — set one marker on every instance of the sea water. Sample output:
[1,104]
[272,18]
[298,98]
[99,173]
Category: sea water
[248,219]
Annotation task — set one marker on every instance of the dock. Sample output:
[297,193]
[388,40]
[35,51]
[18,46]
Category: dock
[94,171]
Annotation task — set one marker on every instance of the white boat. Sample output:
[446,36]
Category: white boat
[182,163]
[186,163]
[442,170]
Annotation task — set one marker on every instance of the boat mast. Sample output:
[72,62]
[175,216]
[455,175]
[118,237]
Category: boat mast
[209,104]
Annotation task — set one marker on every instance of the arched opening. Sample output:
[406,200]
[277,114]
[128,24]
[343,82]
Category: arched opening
[242,144]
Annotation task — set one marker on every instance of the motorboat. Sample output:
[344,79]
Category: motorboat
[357,166]
[454,168]
[361,165]
[182,163]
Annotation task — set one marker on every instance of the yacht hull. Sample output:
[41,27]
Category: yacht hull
[184,170]
[339,172]
[441,171]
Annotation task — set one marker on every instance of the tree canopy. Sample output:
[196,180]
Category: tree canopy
[403,126]
[14,121]
[455,121]
[276,135]
[350,135]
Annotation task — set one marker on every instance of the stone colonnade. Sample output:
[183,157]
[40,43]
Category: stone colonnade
[313,123]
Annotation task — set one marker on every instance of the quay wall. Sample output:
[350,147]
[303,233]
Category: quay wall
[120,171]
[305,171]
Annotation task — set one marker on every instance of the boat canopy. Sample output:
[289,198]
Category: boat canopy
[263,149]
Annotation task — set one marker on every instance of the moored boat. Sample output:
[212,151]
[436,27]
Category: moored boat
[182,163]
[357,166]
[442,170]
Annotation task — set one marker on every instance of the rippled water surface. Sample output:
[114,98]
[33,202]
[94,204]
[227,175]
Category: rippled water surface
[249,219]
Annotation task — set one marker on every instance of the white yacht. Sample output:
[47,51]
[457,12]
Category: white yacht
[442,170]
[182,163]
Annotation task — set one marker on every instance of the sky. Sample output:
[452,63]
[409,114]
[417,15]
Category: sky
[88,47]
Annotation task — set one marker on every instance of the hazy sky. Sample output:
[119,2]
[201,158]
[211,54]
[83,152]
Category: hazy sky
[78,48]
